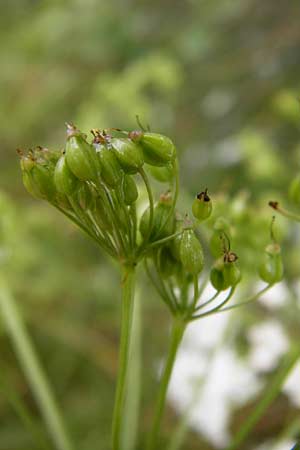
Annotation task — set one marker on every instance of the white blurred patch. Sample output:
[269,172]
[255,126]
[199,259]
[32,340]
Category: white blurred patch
[275,297]
[282,445]
[269,342]
[291,386]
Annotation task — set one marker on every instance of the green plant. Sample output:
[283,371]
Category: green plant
[96,185]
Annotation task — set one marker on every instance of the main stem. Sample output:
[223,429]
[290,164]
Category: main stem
[128,286]
[32,369]
[178,329]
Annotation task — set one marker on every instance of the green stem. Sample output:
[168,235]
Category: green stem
[176,337]
[128,286]
[266,400]
[32,369]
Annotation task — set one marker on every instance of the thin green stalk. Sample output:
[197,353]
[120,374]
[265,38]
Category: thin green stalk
[32,369]
[176,337]
[128,286]
[272,390]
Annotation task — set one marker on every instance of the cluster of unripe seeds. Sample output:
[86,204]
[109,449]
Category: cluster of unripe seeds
[95,184]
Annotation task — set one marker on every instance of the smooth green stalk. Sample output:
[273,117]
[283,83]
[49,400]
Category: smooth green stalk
[176,337]
[133,390]
[32,369]
[128,286]
[271,392]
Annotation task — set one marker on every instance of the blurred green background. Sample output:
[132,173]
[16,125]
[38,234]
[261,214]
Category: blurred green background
[221,77]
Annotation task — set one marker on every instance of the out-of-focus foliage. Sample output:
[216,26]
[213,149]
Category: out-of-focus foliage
[222,79]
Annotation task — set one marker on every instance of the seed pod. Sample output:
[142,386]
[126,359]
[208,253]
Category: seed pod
[217,278]
[294,190]
[202,206]
[166,263]
[158,150]
[129,154]
[65,181]
[163,174]
[41,182]
[81,157]
[191,253]
[271,267]
[163,222]
[231,273]
[111,172]
[129,190]
[216,244]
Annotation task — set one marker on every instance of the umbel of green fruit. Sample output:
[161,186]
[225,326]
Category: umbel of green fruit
[81,156]
[202,206]
[191,253]
[158,150]
[271,267]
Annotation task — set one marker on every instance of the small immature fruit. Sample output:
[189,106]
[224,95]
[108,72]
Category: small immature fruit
[163,222]
[167,264]
[111,172]
[217,278]
[65,181]
[129,190]
[202,206]
[158,150]
[216,246]
[231,273]
[81,156]
[39,182]
[294,190]
[102,217]
[129,154]
[271,267]
[162,174]
[191,253]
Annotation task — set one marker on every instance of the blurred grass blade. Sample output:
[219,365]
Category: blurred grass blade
[272,390]
[32,368]
[132,402]
[19,406]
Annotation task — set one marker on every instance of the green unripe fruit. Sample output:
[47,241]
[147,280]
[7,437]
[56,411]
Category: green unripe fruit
[167,264]
[129,154]
[81,157]
[158,150]
[216,244]
[65,181]
[191,253]
[271,267]
[163,222]
[294,190]
[217,278]
[111,172]
[162,174]
[130,190]
[202,206]
[30,186]
[231,273]
[42,178]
